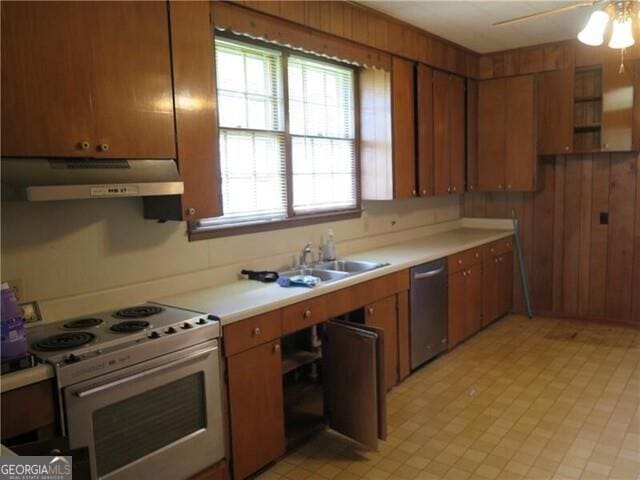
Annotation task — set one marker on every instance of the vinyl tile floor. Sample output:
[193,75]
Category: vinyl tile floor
[523,399]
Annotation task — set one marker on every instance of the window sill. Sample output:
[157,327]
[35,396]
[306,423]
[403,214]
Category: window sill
[298,221]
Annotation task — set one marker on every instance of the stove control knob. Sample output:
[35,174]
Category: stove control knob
[186,326]
[71,358]
[154,335]
[202,321]
[171,330]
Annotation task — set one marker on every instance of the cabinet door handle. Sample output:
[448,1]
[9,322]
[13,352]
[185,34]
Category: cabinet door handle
[500,187]
[191,211]
[257,332]
[424,192]
[471,187]
[566,148]
[413,192]
[449,189]
[453,189]
[469,271]
[459,262]
[464,273]
[103,147]
[477,255]
[307,314]
[509,187]
[276,347]
[370,310]
[84,145]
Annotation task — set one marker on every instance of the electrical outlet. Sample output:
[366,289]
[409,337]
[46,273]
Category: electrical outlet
[17,286]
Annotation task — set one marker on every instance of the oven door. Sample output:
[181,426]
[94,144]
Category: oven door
[160,419]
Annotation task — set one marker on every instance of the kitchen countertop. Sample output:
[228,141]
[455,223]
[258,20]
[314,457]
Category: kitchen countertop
[22,378]
[247,298]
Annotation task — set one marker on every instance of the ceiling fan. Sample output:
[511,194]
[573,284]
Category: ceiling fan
[621,13]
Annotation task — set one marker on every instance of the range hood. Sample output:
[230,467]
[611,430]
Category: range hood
[42,179]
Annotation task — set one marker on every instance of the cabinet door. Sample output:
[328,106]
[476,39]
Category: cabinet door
[505,281]
[256,408]
[617,107]
[403,118]
[384,314]
[353,367]
[46,79]
[555,111]
[441,144]
[473,300]
[425,130]
[456,324]
[457,133]
[491,134]
[132,97]
[472,135]
[196,123]
[491,289]
[520,140]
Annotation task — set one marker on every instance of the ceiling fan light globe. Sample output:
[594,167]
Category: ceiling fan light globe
[593,33]
[622,36]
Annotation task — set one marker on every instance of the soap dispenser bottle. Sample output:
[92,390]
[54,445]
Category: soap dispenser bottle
[330,247]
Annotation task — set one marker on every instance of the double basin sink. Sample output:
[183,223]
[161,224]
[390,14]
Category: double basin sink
[334,270]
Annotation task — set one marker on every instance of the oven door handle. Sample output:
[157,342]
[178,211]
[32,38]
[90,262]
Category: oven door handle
[106,386]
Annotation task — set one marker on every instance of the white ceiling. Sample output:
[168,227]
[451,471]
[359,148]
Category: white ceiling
[468,23]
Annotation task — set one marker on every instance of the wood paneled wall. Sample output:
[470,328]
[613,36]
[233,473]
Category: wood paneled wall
[577,266]
[366,26]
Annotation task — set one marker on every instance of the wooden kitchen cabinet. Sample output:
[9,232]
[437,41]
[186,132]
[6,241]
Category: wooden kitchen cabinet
[28,409]
[256,408]
[387,132]
[448,133]
[87,79]
[555,93]
[498,287]
[617,133]
[403,128]
[507,157]
[465,304]
[424,122]
[384,314]
[472,135]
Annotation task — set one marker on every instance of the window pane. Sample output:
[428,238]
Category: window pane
[253,177]
[320,98]
[324,174]
[249,86]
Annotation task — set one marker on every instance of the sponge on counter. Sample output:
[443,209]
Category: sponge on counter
[308,281]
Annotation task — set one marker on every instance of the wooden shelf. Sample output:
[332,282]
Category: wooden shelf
[298,359]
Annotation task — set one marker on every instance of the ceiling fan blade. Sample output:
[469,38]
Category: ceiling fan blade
[544,13]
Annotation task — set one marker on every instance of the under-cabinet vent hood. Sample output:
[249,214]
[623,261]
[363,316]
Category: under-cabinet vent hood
[41,179]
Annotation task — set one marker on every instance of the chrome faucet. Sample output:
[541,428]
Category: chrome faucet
[306,251]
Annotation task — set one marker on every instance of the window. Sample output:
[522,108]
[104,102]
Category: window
[287,135]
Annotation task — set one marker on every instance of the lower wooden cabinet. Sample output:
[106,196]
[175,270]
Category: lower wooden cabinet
[256,408]
[384,314]
[498,287]
[28,409]
[465,303]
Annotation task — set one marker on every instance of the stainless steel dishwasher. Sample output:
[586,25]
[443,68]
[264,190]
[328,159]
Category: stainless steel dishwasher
[429,310]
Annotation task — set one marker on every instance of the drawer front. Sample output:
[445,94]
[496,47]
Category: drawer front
[499,247]
[251,332]
[351,298]
[465,259]
[304,314]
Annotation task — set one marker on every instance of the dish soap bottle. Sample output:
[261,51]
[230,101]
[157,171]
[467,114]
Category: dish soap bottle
[330,246]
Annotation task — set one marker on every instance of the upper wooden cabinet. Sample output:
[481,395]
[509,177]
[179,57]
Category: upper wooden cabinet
[555,111]
[507,158]
[448,133]
[87,79]
[424,122]
[403,127]
[589,109]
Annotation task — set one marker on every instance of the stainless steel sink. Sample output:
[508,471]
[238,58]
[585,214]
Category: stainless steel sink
[334,270]
[350,266]
[323,274]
